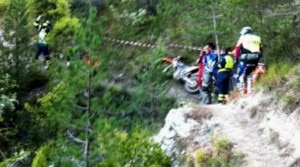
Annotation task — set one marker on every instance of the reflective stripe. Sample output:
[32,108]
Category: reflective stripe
[221,97]
[224,69]
[228,64]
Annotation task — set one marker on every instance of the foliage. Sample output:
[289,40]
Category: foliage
[64,25]
[288,89]
[8,85]
[127,89]
[220,155]
[134,18]
[63,32]
[15,56]
[130,150]
[14,71]
[57,109]
[51,9]
[6,105]
[111,109]
[40,158]
[80,7]
[3,6]
[16,159]
[46,117]
[275,76]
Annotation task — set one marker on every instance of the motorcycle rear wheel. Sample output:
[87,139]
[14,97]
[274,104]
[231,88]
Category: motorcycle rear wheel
[192,88]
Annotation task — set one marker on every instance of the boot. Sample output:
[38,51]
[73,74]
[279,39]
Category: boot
[200,97]
[206,99]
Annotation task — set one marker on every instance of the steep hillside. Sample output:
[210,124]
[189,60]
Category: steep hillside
[102,112]
[260,132]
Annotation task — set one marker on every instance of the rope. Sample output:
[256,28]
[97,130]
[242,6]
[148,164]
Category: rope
[152,46]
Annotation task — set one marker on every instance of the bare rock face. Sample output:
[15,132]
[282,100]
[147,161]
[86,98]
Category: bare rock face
[186,129]
[264,133]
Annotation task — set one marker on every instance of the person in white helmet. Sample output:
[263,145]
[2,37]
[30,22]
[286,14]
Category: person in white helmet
[42,46]
[248,52]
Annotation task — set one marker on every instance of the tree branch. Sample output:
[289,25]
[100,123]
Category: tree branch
[75,139]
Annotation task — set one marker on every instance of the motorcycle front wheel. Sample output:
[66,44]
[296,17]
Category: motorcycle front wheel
[192,87]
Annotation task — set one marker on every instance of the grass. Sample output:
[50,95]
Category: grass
[275,76]
[221,155]
[284,80]
[3,6]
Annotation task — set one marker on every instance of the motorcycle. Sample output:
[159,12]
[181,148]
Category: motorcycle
[252,78]
[183,72]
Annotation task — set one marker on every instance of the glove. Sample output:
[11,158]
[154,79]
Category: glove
[39,18]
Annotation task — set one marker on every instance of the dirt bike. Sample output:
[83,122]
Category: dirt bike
[183,72]
[252,78]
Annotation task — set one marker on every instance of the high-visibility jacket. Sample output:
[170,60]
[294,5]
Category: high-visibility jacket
[248,43]
[226,63]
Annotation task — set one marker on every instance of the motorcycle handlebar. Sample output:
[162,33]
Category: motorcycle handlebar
[168,60]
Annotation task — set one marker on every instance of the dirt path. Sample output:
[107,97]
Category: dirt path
[265,134]
[248,134]
[177,90]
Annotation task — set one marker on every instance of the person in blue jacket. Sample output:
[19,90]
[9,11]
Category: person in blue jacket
[209,60]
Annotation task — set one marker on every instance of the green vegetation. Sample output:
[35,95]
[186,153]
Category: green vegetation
[3,6]
[221,155]
[103,115]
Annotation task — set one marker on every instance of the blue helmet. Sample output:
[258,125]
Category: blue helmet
[246,30]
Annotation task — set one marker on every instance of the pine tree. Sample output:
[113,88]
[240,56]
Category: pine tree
[69,105]
[15,57]
[16,53]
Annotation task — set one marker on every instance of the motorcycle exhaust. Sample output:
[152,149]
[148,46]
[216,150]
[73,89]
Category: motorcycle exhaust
[189,81]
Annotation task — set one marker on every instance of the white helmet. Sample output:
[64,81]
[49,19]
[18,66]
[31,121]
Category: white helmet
[46,23]
[246,30]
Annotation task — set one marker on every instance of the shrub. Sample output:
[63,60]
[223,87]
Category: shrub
[3,6]
[62,34]
[132,150]
[275,76]
[220,155]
